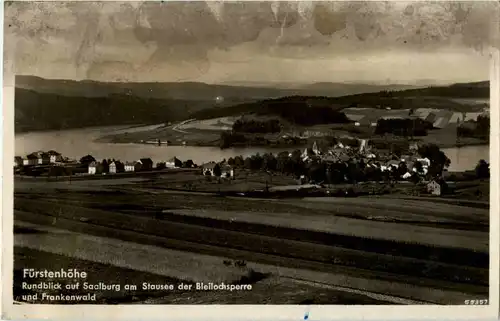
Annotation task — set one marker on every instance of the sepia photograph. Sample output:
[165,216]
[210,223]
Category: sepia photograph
[250,153]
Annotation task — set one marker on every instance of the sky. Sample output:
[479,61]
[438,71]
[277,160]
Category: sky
[263,42]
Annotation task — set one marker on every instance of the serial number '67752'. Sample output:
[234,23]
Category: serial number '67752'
[476,302]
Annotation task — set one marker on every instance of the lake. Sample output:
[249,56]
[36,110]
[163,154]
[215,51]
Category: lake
[80,142]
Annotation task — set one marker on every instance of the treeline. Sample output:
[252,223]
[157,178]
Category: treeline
[257,126]
[477,129]
[36,111]
[403,127]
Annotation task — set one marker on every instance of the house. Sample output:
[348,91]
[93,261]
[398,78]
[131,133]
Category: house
[30,160]
[132,166]
[174,162]
[225,170]
[146,164]
[208,168]
[42,158]
[436,187]
[54,156]
[18,161]
[116,167]
[96,168]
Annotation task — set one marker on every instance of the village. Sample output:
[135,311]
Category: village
[345,162]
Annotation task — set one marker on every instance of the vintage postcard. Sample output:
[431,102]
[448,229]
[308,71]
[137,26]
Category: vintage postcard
[262,159]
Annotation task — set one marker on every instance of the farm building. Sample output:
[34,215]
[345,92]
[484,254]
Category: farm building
[436,187]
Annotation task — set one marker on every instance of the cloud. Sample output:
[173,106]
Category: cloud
[97,39]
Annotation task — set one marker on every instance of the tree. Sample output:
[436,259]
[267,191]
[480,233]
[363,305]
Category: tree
[239,161]
[438,159]
[188,164]
[105,166]
[86,160]
[419,167]
[482,169]
[217,170]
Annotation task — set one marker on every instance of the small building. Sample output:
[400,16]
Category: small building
[43,158]
[96,168]
[30,160]
[132,166]
[436,187]
[116,167]
[146,164]
[174,162]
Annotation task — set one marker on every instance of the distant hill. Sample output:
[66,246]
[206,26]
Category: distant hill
[237,92]
[430,97]
[42,104]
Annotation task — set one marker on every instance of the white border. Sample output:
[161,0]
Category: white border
[248,312]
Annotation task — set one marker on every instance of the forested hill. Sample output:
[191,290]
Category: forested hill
[460,90]
[430,97]
[36,111]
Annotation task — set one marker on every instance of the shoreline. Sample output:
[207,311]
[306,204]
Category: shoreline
[102,140]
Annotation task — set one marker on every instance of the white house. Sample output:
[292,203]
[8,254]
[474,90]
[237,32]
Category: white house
[208,169]
[132,166]
[115,167]
[95,168]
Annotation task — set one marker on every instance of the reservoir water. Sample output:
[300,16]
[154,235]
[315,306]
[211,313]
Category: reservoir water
[80,142]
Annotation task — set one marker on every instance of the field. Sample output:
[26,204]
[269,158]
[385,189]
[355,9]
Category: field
[417,249]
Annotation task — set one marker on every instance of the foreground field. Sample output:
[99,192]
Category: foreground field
[339,242]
